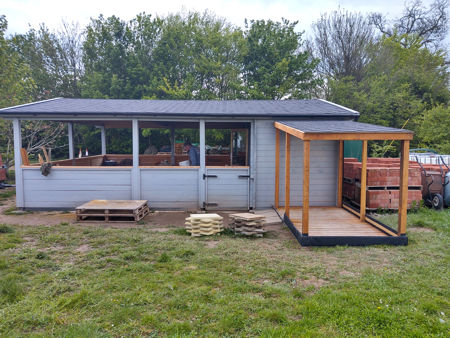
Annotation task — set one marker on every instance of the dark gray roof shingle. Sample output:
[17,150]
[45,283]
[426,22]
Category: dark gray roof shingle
[339,126]
[237,108]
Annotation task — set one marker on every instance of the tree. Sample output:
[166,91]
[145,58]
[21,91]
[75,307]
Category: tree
[106,60]
[341,41]
[434,129]
[274,66]
[54,59]
[16,87]
[198,56]
[398,86]
[429,26]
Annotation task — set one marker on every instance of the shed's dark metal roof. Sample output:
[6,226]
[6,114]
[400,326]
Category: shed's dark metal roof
[339,126]
[236,108]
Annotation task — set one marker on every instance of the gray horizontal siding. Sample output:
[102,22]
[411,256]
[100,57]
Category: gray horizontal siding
[68,188]
[170,188]
[323,169]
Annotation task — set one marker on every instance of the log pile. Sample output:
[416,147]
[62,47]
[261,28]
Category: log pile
[248,224]
[204,224]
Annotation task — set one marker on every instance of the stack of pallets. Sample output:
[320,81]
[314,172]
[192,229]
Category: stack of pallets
[383,182]
[112,211]
[204,224]
[248,224]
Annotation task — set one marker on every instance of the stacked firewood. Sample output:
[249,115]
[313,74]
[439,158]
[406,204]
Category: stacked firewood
[247,224]
[204,224]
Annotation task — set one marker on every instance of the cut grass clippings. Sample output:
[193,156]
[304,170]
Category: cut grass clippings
[70,280]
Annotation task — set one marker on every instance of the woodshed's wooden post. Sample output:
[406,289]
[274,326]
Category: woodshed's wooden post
[340,173]
[18,171]
[277,168]
[135,172]
[70,136]
[305,206]
[362,209]
[287,175]
[103,136]
[403,194]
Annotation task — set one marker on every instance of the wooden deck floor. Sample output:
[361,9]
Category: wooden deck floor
[332,221]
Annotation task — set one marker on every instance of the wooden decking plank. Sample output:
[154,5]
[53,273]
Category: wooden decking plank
[332,221]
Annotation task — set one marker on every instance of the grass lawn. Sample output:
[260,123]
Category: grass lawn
[74,280]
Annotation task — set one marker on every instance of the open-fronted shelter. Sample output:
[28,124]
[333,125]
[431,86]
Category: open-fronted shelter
[302,175]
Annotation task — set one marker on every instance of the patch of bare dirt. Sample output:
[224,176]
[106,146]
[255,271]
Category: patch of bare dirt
[312,281]
[83,248]
[211,244]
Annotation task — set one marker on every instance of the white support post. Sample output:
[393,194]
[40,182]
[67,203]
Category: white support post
[252,163]
[20,198]
[202,170]
[103,136]
[70,135]
[135,173]
[172,146]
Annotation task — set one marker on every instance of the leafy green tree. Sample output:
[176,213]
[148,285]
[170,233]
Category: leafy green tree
[16,87]
[54,59]
[400,83]
[274,66]
[434,129]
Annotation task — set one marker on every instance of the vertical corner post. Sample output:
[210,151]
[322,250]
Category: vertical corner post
[202,170]
[340,173]
[287,176]
[362,209]
[277,168]
[403,194]
[135,172]
[70,136]
[172,145]
[305,205]
[20,197]
[103,136]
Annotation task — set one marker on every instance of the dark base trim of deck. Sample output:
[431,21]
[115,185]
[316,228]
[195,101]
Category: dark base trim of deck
[343,240]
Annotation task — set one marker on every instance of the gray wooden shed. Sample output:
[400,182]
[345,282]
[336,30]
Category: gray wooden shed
[263,180]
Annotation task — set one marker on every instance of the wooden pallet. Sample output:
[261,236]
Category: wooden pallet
[112,211]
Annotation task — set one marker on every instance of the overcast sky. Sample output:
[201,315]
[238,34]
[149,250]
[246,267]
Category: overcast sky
[22,13]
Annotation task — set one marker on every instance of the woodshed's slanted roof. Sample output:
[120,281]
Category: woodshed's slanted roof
[179,108]
[341,130]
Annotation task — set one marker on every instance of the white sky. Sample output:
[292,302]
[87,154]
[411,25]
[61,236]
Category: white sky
[23,13]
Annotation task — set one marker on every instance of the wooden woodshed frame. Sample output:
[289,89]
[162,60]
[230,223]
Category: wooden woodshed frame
[328,234]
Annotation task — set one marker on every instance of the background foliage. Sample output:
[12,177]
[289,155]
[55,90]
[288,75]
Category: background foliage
[395,73]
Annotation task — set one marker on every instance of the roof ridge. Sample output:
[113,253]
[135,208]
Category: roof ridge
[338,105]
[31,103]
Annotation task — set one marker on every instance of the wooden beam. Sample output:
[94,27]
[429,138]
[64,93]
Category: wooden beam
[343,136]
[289,130]
[362,203]
[340,173]
[277,168]
[355,136]
[25,160]
[403,198]
[305,208]
[376,225]
[287,175]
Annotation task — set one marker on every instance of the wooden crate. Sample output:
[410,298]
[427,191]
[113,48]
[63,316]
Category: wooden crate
[112,211]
